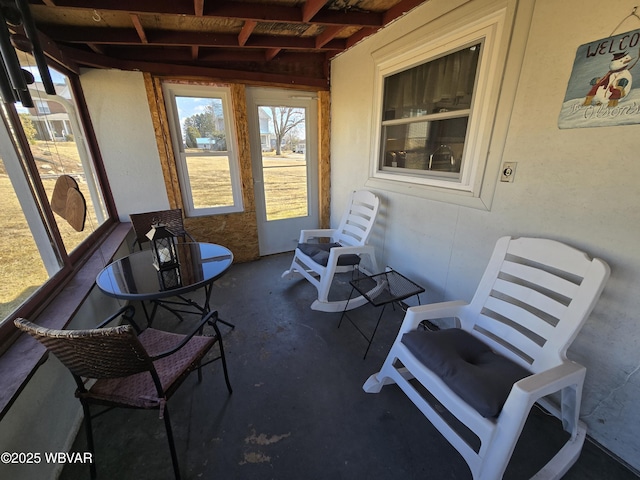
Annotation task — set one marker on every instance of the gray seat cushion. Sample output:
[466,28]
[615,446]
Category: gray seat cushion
[319,253]
[479,376]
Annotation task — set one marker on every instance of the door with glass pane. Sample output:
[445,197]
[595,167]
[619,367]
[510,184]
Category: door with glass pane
[284,152]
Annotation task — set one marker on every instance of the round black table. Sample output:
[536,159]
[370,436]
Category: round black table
[135,278]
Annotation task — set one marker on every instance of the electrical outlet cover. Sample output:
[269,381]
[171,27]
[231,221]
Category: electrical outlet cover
[508,171]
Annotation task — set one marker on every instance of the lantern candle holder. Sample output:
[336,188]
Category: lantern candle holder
[170,278]
[163,248]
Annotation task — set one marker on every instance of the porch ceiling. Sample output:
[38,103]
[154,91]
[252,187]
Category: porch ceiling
[281,41]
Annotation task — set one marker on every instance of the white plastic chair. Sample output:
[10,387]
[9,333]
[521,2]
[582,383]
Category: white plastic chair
[319,262]
[530,304]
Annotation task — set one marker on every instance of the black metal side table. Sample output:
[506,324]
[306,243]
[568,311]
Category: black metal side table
[381,290]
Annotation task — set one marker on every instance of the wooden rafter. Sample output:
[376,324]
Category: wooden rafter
[310,8]
[247,30]
[124,37]
[135,19]
[96,48]
[261,12]
[327,35]
[198,7]
[259,37]
[99,61]
[271,53]
[215,55]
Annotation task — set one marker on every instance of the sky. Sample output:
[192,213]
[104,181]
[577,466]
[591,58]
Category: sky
[56,77]
[190,106]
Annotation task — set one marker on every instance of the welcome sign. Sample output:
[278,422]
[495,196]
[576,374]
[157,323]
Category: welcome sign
[602,90]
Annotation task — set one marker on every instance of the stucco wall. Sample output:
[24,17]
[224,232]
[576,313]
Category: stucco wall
[119,111]
[579,186]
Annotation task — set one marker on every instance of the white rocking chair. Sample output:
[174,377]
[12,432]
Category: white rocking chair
[319,262]
[507,354]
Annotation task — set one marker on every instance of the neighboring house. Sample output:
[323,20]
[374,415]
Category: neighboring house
[50,120]
[206,143]
[267,137]
[49,117]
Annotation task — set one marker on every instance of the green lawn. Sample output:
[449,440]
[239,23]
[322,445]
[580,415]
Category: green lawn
[22,268]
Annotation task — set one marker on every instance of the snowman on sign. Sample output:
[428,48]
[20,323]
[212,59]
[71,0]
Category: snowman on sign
[614,85]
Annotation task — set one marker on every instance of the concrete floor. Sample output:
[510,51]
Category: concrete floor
[298,410]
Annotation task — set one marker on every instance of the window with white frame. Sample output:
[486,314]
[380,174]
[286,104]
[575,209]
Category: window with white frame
[426,112]
[204,140]
[434,101]
[42,107]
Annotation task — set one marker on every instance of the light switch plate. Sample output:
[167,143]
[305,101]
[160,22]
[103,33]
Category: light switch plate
[508,171]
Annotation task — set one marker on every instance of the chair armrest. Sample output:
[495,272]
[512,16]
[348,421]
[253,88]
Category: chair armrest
[550,381]
[349,250]
[306,235]
[127,312]
[536,387]
[432,311]
[197,328]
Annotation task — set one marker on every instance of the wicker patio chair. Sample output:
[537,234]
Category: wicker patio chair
[131,368]
[142,223]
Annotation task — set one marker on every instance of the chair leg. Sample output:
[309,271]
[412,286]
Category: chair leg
[292,269]
[172,446]
[222,357]
[89,433]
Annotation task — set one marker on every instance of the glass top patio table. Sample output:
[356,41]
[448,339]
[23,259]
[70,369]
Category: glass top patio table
[380,290]
[135,278]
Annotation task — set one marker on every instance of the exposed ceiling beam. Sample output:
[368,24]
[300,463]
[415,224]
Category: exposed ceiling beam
[98,61]
[230,9]
[135,19]
[310,8]
[271,53]
[247,30]
[213,55]
[327,35]
[123,36]
[171,7]
[273,37]
[55,53]
[96,48]
[198,7]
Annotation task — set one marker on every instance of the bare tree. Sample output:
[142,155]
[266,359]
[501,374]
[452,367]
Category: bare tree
[284,120]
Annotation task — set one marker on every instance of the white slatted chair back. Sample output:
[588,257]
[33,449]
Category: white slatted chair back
[529,306]
[319,262]
[533,299]
[358,220]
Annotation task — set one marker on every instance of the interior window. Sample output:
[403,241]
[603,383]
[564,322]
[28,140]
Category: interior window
[436,97]
[426,111]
